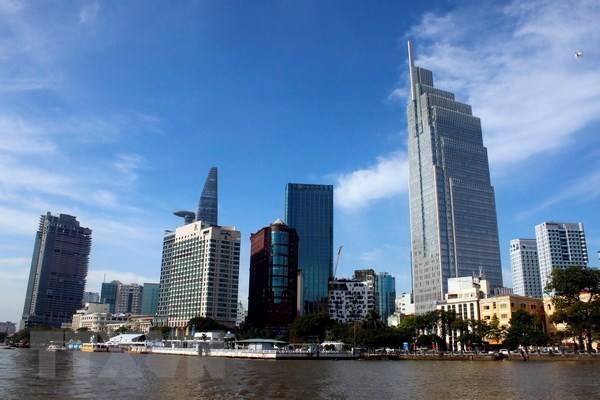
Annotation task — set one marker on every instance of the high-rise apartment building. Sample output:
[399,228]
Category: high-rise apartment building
[454,230]
[559,245]
[386,295]
[309,210]
[200,274]
[58,272]
[121,298]
[350,300]
[150,298]
[129,300]
[273,277]
[525,268]
[208,206]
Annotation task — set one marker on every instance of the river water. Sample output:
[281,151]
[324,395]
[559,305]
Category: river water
[33,374]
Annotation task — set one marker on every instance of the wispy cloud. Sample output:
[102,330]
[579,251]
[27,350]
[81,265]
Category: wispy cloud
[387,177]
[88,14]
[516,66]
[582,190]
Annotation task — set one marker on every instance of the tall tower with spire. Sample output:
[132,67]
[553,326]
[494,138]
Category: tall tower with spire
[208,206]
[454,230]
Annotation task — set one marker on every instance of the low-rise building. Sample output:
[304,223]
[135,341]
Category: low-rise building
[503,307]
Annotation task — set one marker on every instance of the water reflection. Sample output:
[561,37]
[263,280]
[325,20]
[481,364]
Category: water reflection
[36,374]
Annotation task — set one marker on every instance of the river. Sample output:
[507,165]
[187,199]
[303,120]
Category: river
[33,374]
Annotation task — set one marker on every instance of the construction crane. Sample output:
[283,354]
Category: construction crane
[337,260]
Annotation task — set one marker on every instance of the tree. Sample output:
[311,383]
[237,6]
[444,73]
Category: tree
[205,324]
[474,334]
[525,330]
[248,331]
[121,330]
[311,327]
[163,331]
[372,320]
[445,319]
[462,326]
[577,300]
[494,331]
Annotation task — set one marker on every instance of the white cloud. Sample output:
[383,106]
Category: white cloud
[388,177]
[516,66]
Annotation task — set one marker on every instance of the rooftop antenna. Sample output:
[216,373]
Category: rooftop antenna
[411,64]
[104,281]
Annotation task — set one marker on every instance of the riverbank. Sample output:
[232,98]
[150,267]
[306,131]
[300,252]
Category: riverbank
[434,356]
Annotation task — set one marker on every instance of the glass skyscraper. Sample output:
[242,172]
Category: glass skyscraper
[208,206]
[454,230]
[150,298]
[386,295]
[59,268]
[309,210]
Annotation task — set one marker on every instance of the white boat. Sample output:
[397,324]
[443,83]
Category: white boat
[55,347]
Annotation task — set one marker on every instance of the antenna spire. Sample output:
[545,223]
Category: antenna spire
[411,64]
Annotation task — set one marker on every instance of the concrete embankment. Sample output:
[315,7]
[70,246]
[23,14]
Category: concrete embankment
[483,357]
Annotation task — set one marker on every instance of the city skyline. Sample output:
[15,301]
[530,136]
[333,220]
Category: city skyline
[138,103]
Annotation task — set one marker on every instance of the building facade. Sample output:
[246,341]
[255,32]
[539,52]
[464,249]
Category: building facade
[150,298]
[386,295]
[8,327]
[525,268]
[503,307]
[309,210]
[122,298]
[129,300]
[58,272]
[559,245]
[405,304]
[350,300]
[241,314]
[463,299]
[454,229]
[273,286]
[200,274]
[91,297]
[208,206]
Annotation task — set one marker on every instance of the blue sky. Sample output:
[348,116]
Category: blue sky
[115,111]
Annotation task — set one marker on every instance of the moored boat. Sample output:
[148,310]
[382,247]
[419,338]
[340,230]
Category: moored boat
[55,347]
[94,347]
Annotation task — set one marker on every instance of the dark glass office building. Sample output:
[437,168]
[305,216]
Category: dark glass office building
[150,298]
[454,230]
[309,210]
[109,294]
[272,295]
[59,268]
